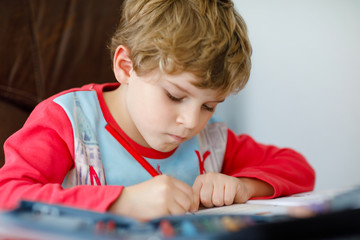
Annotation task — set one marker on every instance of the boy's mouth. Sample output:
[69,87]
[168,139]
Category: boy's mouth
[177,138]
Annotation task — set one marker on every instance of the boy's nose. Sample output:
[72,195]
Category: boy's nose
[189,117]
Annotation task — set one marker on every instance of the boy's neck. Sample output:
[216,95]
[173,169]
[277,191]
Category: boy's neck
[115,101]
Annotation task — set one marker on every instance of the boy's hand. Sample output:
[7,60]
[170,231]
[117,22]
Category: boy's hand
[216,189]
[159,196]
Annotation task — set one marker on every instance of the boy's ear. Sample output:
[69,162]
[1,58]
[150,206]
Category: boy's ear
[122,64]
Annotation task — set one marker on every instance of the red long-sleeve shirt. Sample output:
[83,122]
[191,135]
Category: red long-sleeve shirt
[44,161]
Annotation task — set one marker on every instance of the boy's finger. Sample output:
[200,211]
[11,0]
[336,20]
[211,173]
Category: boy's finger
[183,200]
[196,202]
[186,198]
[218,195]
[196,194]
[229,194]
[180,204]
[176,209]
[197,185]
[185,188]
[205,194]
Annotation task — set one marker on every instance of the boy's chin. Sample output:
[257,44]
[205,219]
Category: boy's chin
[165,148]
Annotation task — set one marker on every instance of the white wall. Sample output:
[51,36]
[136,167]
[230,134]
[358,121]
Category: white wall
[304,89]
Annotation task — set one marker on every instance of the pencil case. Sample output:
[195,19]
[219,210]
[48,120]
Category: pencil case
[37,220]
[40,221]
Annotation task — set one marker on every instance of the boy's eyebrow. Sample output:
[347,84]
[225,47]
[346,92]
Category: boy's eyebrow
[186,91]
[181,88]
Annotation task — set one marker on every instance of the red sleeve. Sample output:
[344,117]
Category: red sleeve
[286,170]
[38,157]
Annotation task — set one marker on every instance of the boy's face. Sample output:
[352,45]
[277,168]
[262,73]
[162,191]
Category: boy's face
[164,111]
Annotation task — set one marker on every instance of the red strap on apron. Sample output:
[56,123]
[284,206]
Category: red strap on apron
[131,150]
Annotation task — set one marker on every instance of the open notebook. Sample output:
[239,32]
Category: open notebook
[277,206]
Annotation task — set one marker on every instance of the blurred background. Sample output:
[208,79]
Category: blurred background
[304,87]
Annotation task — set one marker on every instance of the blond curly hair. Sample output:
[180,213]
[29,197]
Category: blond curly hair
[205,37]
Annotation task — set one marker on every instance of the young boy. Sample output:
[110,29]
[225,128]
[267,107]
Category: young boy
[149,145]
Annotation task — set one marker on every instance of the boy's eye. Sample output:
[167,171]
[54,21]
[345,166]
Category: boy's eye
[175,99]
[207,108]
